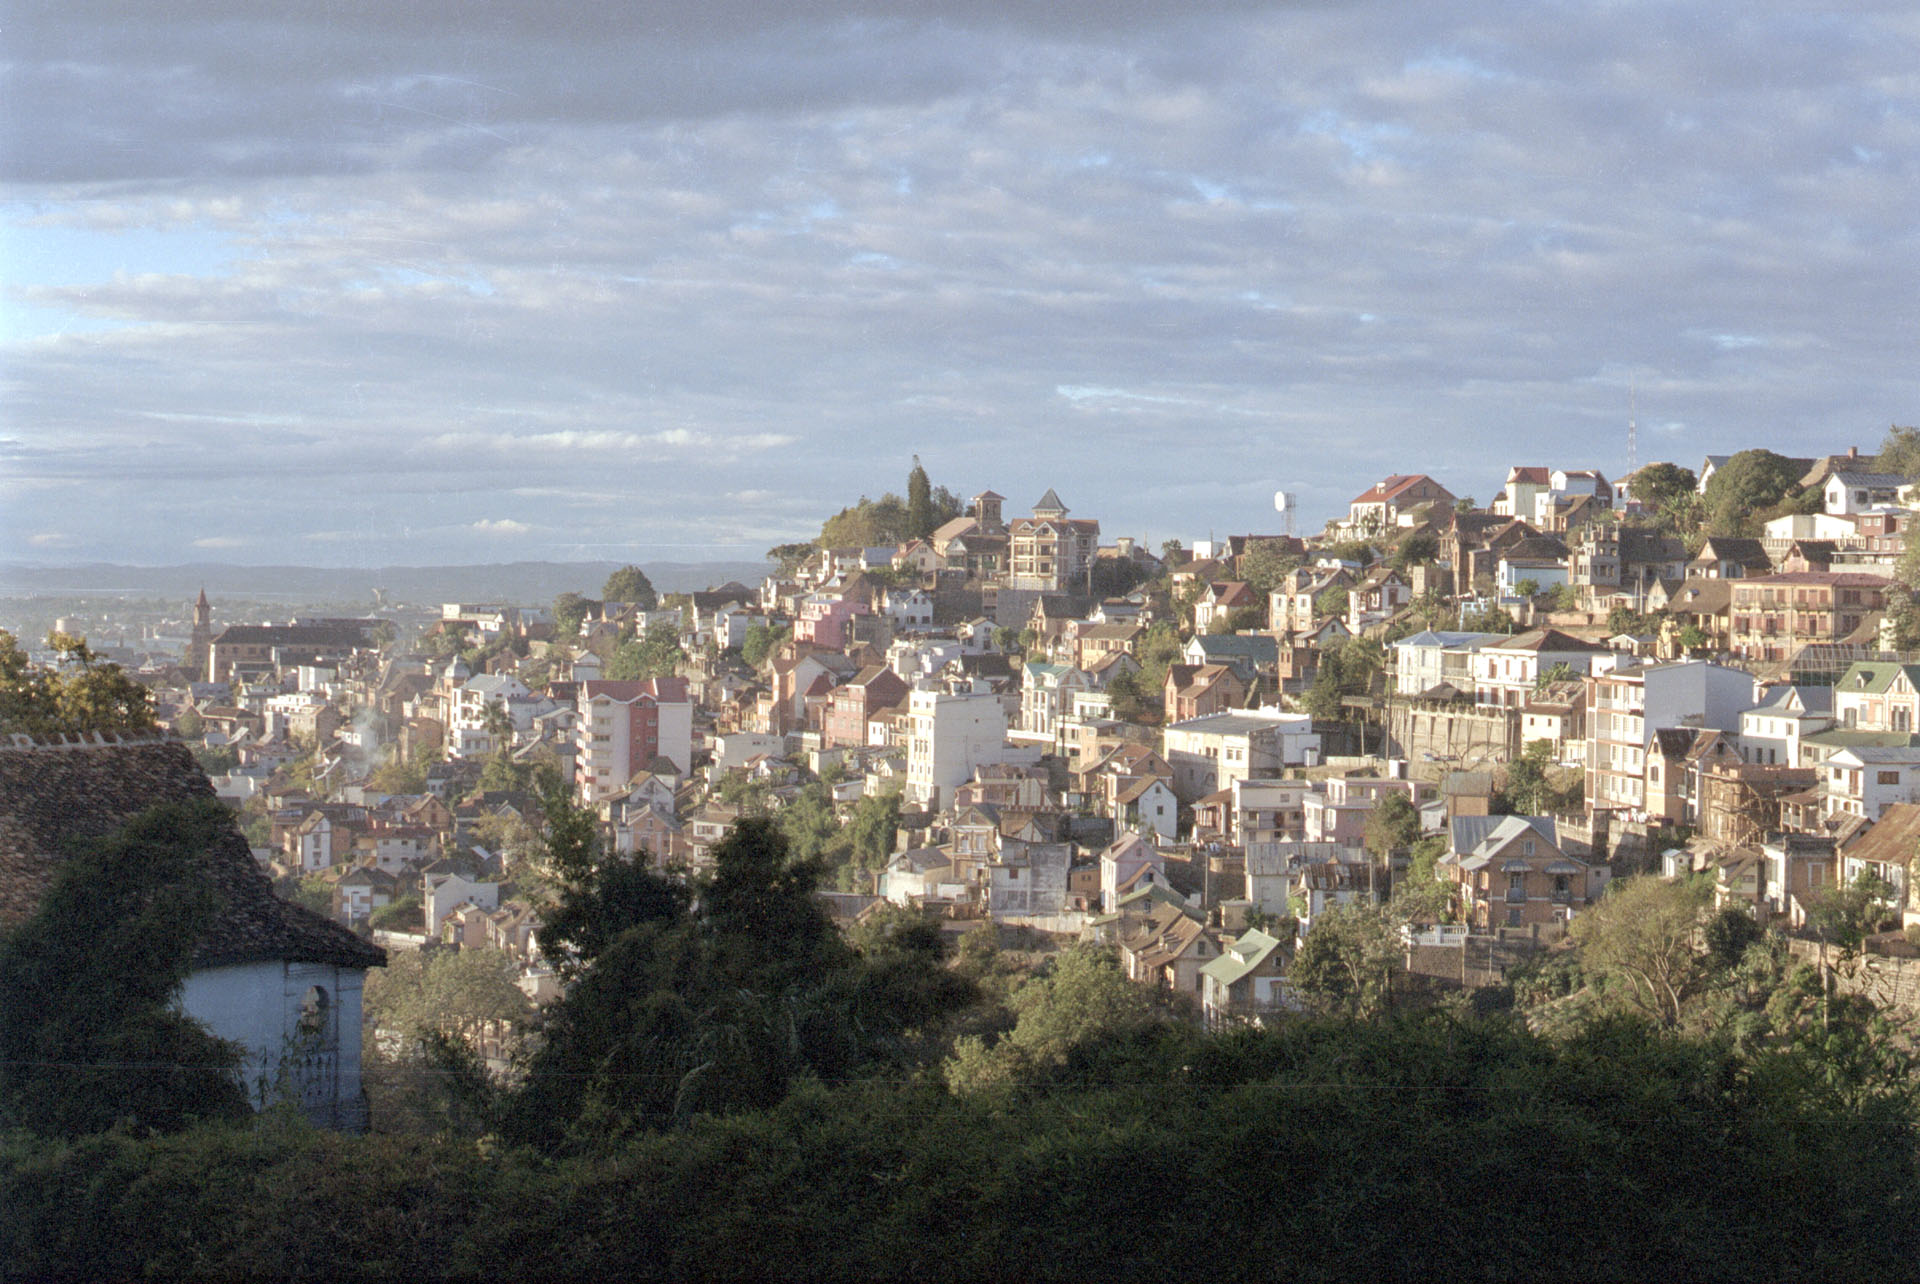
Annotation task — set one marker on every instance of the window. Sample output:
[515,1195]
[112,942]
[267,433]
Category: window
[1887,778]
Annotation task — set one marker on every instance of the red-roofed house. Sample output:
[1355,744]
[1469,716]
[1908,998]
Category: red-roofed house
[1380,508]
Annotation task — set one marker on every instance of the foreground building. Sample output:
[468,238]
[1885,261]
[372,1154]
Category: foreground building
[280,981]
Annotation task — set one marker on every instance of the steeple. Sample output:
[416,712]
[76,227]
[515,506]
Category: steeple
[1049,505]
[200,645]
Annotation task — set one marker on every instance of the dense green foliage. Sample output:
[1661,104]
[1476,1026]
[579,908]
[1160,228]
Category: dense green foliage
[82,694]
[1350,668]
[761,641]
[734,1088]
[656,655]
[630,584]
[1744,487]
[568,610]
[1433,1147]
[714,1003]
[89,1036]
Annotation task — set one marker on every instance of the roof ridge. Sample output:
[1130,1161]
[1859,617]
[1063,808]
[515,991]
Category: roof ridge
[22,742]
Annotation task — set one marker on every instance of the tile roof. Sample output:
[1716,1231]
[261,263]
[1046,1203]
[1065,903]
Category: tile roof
[55,792]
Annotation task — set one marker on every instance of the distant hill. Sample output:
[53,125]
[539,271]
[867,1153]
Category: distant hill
[525,583]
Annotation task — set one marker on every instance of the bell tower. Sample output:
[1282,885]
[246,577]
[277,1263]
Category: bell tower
[200,647]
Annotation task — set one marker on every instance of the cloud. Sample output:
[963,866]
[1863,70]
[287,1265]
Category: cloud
[680,275]
[50,539]
[221,541]
[500,526]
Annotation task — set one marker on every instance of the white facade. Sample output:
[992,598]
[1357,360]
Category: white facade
[1865,782]
[952,734]
[448,892]
[300,1026]
[1213,752]
[737,748]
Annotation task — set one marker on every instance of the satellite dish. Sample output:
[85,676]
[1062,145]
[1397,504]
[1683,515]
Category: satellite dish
[1282,501]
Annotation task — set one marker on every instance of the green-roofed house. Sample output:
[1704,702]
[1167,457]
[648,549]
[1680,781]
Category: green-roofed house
[1878,696]
[1248,982]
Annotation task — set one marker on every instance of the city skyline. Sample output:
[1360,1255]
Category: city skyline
[354,286]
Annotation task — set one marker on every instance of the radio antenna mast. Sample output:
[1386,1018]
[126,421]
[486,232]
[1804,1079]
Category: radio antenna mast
[1633,432]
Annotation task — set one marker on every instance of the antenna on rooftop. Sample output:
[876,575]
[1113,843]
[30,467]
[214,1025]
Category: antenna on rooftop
[1633,432]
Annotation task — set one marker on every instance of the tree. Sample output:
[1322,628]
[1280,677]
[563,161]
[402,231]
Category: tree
[1391,825]
[1493,619]
[712,1004]
[1644,934]
[1347,960]
[457,993]
[1899,452]
[761,641]
[81,694]
[1748,482]
[788,558]
[1528,790]
[568,610]
[1265,566]
[630,584]
[1347,668]
[1728,935]
[1658,485]
[919,502]
[1420,895]
[189,725]
[868,524]
[657,655]
[1624,619]
[92,1036]
[1416,549]
[1082,1000]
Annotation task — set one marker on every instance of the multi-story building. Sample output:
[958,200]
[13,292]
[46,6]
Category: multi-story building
[1511,872]
[1338,814]
[1628,707]
[623,727]
[1505,672]
[1432,657]
[1773,616]
[1867,780]
[1051,552]
[1046,697]
[1211,752]
[952,733]
[853,705]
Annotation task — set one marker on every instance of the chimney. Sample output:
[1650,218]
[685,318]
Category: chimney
[1853,452]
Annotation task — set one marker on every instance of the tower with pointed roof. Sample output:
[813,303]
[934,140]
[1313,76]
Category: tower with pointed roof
[1051,552]
[200,644]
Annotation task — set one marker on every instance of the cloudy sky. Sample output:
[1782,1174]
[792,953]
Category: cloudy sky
[363,282]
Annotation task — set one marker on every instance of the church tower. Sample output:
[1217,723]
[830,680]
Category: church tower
[200,647]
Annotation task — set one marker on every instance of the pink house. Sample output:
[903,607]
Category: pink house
[823,620]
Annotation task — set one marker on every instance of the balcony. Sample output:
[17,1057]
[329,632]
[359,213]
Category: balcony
[1516,896]
[1561,896]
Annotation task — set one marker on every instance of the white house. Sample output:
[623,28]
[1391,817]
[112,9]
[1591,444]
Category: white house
[280,981]
[952,733]
[1210,753]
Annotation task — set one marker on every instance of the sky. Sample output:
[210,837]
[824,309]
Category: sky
[356,283]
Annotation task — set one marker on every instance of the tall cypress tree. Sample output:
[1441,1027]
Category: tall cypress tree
[919,502]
